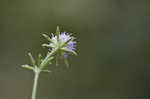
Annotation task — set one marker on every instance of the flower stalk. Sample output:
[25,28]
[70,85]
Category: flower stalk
[34,90]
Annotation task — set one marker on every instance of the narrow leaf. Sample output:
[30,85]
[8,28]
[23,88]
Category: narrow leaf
[47,37]
[70,51]
[46,45]
[28,67]
[57,33]
[39,59]
[66,42]
[31,59]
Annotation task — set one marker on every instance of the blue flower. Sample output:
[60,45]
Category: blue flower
[62,43]
[63,37]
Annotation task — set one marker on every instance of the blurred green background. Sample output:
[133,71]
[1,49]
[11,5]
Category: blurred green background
[113,48]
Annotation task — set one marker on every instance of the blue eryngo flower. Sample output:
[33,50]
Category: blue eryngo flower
[63,42]
[63,37]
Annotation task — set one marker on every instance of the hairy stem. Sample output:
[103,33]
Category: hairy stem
[36,77]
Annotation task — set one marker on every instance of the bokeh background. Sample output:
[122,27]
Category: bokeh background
[113,48]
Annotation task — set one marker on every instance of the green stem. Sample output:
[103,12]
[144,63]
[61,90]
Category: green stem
[35,85]
[48,56]
[37,72]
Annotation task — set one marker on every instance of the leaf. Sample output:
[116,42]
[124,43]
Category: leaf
[66,42]
[47,37]
[46,45]
[57,33]
[31,59]
[70,51]
[39,59]
[28,67]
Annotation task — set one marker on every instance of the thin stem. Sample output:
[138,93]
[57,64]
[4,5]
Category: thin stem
[37,72]
[35,85]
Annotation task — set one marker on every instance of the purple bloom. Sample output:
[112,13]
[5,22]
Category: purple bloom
[63,37]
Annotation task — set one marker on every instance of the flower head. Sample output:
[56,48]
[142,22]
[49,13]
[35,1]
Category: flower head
[63,42]
[63,37]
